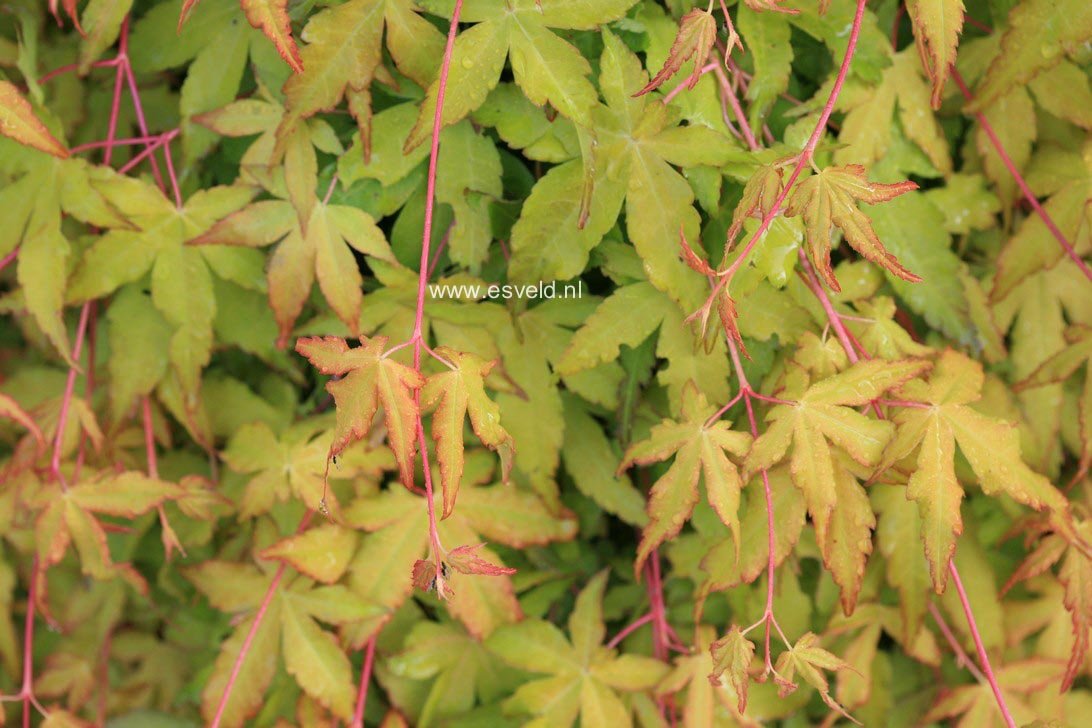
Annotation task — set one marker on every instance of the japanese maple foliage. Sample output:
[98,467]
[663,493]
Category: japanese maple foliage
[810,445]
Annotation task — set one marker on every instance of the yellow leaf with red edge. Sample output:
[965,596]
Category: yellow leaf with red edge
[844,534]
[697,33]
[367,378]
[943,419]
[10,408]
[17,121]
[830,198]
[937,25]
[1019,681]
[321,553]
[1076,576]
[344,52]
[699,448]
[271,17]
[457,393]
[823,415]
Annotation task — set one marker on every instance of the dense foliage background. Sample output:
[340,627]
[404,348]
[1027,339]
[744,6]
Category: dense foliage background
[812,446]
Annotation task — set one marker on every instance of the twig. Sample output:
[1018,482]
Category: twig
[983,658]
[365,678]
[1020,182]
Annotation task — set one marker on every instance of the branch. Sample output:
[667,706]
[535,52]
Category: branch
[365,678]
[983,658]
[258,617]
[1020,182]
[422,282]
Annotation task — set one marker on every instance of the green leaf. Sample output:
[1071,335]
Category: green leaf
[1039,33]
[914,231]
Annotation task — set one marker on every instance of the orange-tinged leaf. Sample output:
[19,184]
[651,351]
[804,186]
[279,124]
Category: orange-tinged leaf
[991,446]
[697,33]
[17,121]
[699,448]
[937,25]
[845,535]
[271,17]
[830,198]
[321,553]
[368,379]
[456,393]
[465,560]
[1076,576]
[10,408]
[821,416]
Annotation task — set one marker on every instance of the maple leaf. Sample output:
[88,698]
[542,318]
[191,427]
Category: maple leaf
[937,26]
[584,675]
[17,121]
[991,446]
[975,705]
[68,517]
[547,68]
[1061,366]
[321,553]
[465,560]
[10,408]
[181,280]
[344,52]
[324,251]
[822,415]
[636,143]
[732,654]
[700,449]
[697,33]
[1039,35]
[368,378]
[270,17]
[459,666]
[706,699]
[34,205]
[807,658]
[1075,575]
[457,393]
[382,571]
[830,198]
[293,463]
[1066,177]
[288,627]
